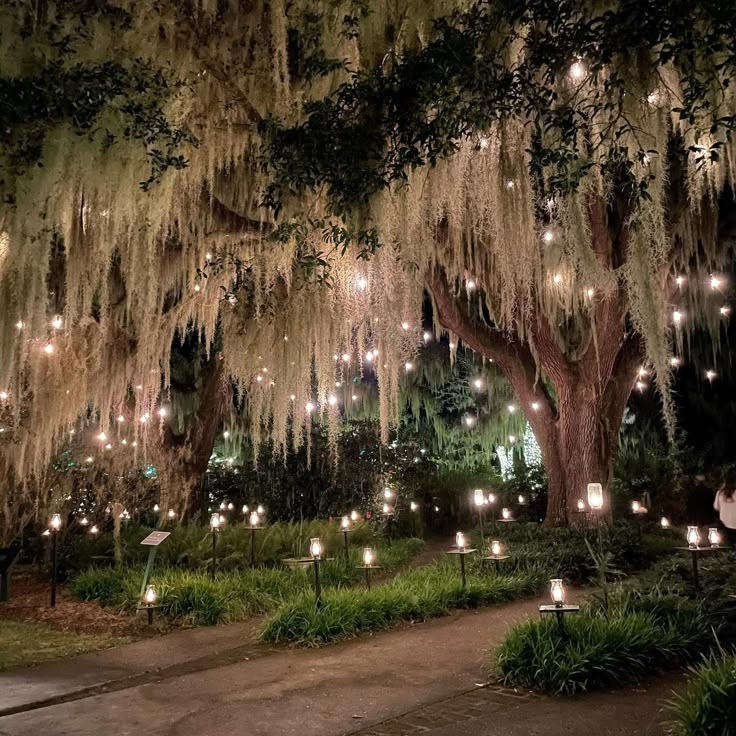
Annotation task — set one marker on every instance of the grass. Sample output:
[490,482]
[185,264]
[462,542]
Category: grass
[195,598]
[23,644]
[708,706]
[639,636]
[416,595]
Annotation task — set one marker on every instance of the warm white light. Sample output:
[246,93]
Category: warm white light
[506,514]
[150,595]
[522,499]
[408,367]
[245,508]
[511,408]
[19,325]
[156,508]
[557,278]
[354,516]
[387,493]
[46,533]
[171,514]
[259,378]
[715,282]
[362,283]
[595,496]
[577,70]
[121,418]
[427,336]
[260,510]
[677,316]
[478,383]
[680,280]
[460,541]
[197,287]
[55,522]
[640,385]
[215,521]
[710,375]
[675,362]
[491,499]
[469,421]
[354,397]
[512,439]
[101,436]
[635,507]
[693,537]
[557,591]
[590,293]
[208,256]
[346,357]
[144,418]
[478,497]
[483,142]
[725,311]
[714,537]
[292,397]
[367,556]
[93,529]
[405,325]
[57,323]
[510,184]
[315,548]
[413,506]
[254,519]
[223,506]
[332,400]
[548,236]
[643,372]
[48,348]
[470,284]
[653,97]
[496,548]
[309,407]
[386,509]
[108,446]
[535,406]
[89,459]
[226,434]
[84,521]
[345,522]
[581,505]
[3,395]
[664,522]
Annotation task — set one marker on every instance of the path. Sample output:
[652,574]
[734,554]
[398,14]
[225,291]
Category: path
[420,679]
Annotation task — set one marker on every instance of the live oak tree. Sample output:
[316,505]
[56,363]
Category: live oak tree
[294,175]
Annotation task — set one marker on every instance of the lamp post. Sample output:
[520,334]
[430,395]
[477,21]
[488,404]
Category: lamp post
[368,560]
[54,527]
[315,549]
[480,501]
[215,522]
[254,521]
[413,507]
[461,550]
[345,529]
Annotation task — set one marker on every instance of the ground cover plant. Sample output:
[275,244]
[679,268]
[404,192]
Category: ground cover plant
[415,595]
[708,706]
[193,596]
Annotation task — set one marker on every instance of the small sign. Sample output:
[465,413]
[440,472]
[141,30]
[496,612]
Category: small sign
[155,538]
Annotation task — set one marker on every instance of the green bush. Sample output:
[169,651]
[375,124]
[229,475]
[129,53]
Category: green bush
[233,595]
[594,650]
[412,596]
[708,707]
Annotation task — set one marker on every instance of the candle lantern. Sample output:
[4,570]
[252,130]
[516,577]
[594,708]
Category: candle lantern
[460,541]
[557,592]
[714,537]
[315,549]
[595,496]
[664,522]
[693,537]
[215,523]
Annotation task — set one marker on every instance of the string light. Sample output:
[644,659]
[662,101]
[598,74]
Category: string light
[345,357]
[590,293]
[677,317]
[427,336]
[57,323]
[557,279]
[48,348]
[162,412]
[226,434]
[405,326]
[332,400]
[577,70]
[710,374]
[510,184]
[470,284]
[89,459]
[4,395]
[355,397]
[715,282]
[680,281]
[469,421]
[725,311]
[512,439]
[640,386]
[309,407]
[408,367]
[511,408]
[102,437]
[548,236]
[362,283]
[19,325]
[535,406]
[675,362]
[478,383]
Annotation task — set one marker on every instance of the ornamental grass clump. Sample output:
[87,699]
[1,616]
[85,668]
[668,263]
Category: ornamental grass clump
[634,639]
[708,706]
[416,595]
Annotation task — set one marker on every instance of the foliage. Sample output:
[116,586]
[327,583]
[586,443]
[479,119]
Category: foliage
[233,595]
[412,596]
[708,706]
[598,649]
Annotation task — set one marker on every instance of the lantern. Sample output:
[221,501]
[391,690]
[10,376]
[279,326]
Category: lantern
[150,596]
[345,523]
[55,522]
[478,497]
[496,548]
[506,514]
[315,548]
[460,541]
[664,522]
[714,537]
[693,537]
[595,496]
[557,591]
[254,519]
[367,556]
[581,505]
[635,507]
[215,522]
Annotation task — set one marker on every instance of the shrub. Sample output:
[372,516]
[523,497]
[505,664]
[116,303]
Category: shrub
[708,707]
[596,650]
[413,596]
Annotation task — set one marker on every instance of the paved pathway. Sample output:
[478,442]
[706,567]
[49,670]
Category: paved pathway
[422,679]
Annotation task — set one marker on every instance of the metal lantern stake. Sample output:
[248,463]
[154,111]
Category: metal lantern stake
[496,555]
[480,501]
[559,608]
[215,522]
[54,527]
[461,550]
[413,507]
[695,550]
[149,602]
[315,549]
[368,558]
[254,521]
[345,529]
[388,512]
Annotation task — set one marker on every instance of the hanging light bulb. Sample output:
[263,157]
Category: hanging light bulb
[408,367]
[511,408]
[354,516]
[94,529]
[261,511]
[581,505]
[427,336]
[171,514]
[577,70]
[677,316]
[664,522]
[4,395]
[725,311]
[522,499]
[254,519]
[215,521]
[84,521]
[102,437]
[491,499]
[469,421]
[413,506]
[309,407]
[362,283]
[346,357]
[405,326]
[48,348]
[156,508]
[535,406]
[478,383]
[715,282]
[506,514]
[19,325]
[635,507]
[55,523]
[332,400]
[675,362]
[710,375]
[57,323]
[548,236]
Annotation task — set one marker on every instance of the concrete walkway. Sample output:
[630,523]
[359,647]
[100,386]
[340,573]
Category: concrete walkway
[424,679]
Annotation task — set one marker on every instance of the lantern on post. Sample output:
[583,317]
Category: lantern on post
[479,500]
[345,529]
[461,549]
[215,523]
[315,549]
[254,527]
[368,565]
[54,528]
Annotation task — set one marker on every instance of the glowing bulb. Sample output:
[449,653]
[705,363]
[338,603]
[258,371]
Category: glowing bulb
[3,395]
[496,548]
[156,508]
[470,284]
[48,348]
[491,499]
[259,378]
[511,408]
[19,325]
[677,317]
[57,323]
[408,367]
[254,519]
[478,497]
[460,541]
[635,507]
[478,383]
[483,142]
[93,529]
[197,287]
[577,70]
[223,506]
[315,548]
[715,282]
[150,595]
[292,397]
[590,293]
[710,374]
[469,421]
[413,506]
[121,419]
[427,336]
[84,521]
[557,279]
[506,514]
[260,510]
[208,256]
[557,591]
[664,522]
[595,496]
[345,522]
[405,326]
[693,537]
[386,509]
[680,280]
[345,357]
[387,493]
[215,522]
[548,236]
[725,311]
[55,522]
[309,407]
[522,499]
[675,362]
[367,556]
[581,505]
[362,283]
[89,459]
[332,400]
[226,434]
[144,418]
[535,406]
[354,516]
[714,537]
[108,446]
[172,514]
[512,439]
[640,385]
[510,184]
[101,436]
[162,412]
[653,97]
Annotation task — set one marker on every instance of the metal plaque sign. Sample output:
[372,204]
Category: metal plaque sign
[155,538]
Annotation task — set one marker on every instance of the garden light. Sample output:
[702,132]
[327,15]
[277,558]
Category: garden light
[315,548]
[491,499]
[54,526]
[55,523]
[354,516]
[223,506]
[495,548]
[595,496]
[345,528]
[413,506]
[260,510]
[254,519]
[215,521]
[693,537]
[581,505]
[387,493]
[664,522]
[94,530]
[714,537]
[557,592]
[156,508]
[522,499]
[150,596]
[172,514]
[387,509]
[460,541]
[345,523]
[635,507]
[506,514]
[368,556]
[478,497]
[84,521]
